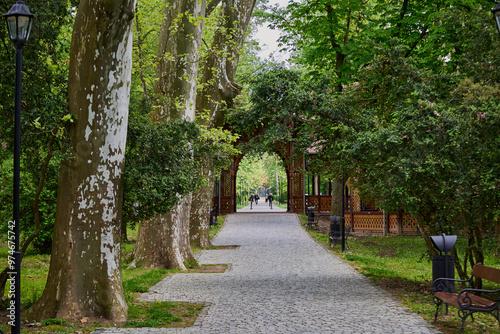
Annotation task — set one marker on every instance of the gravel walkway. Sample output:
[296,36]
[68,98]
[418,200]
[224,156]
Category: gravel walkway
[281,281]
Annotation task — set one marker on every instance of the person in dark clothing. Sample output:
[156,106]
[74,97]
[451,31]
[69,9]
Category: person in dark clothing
[251,199]
[257,199]
[270,198]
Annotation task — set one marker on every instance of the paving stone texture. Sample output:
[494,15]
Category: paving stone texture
[280,281]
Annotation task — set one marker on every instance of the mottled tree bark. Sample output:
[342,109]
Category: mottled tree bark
[178,59]
[84,277]
[216,96]
[337,193]
[164,241]
[202,203]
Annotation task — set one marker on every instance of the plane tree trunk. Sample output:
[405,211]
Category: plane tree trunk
[84,278]
[163,241]
[201,205]
[216,97]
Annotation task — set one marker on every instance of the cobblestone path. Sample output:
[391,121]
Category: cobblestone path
[281,281]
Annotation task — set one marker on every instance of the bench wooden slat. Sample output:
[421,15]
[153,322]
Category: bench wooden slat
[477,302]
[489,273]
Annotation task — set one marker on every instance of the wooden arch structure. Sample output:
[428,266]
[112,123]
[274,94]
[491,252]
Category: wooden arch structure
[225,196]
[304,190]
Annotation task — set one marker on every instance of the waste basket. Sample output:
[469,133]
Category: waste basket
[443,265]
[335,222]
[213,218]
[310,214]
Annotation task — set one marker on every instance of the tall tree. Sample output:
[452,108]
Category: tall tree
[84,277]
[163,241]
[217,96]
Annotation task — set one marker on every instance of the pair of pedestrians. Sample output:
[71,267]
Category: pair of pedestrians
[254,197]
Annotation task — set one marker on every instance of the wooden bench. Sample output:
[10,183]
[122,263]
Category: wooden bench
[469,300]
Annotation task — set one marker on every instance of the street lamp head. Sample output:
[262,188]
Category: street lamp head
[496,13]
[19,22]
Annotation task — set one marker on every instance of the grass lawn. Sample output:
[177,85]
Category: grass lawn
[34,273]
[401,266]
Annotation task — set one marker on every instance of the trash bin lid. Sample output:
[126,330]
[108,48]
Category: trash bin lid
[443,242]
[335,219]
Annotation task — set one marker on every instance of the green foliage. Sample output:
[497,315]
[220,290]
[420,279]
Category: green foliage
[159,166]
[421,141]
[216,143]
[282,100]
[331,37]
[191,264]
[44,115]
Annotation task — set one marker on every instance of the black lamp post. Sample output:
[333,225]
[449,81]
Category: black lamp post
[19,22]
[496,13]
[343,215]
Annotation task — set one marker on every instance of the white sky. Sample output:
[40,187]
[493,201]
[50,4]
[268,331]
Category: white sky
[267,38]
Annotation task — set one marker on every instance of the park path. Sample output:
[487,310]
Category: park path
[280,281]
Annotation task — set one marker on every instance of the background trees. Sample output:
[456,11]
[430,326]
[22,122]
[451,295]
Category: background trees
[413,124]
[410,139]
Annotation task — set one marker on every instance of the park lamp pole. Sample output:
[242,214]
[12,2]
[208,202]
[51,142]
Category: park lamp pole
[496,13]
[19,22]
[343,215]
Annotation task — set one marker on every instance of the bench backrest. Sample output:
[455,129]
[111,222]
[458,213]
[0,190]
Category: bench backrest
[489,273]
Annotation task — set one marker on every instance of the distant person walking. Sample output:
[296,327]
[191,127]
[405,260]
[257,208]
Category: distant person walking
[257,199]
[270,198]
[251,199]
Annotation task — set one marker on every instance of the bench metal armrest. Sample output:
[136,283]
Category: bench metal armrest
[467,290]
[439,284]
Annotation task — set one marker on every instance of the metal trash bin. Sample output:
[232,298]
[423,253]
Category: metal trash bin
[310,214]
[335,232]
[443,266]
[335,222]
[213,218]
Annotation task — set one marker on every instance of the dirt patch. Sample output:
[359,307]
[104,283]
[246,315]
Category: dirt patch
[370,244]
[213,247]
[209,268]
[387,252]
[227,247]
[402,287]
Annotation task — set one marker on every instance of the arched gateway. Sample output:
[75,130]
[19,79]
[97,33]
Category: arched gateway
[225,196]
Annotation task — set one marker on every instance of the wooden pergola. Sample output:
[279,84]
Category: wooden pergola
[309,190]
